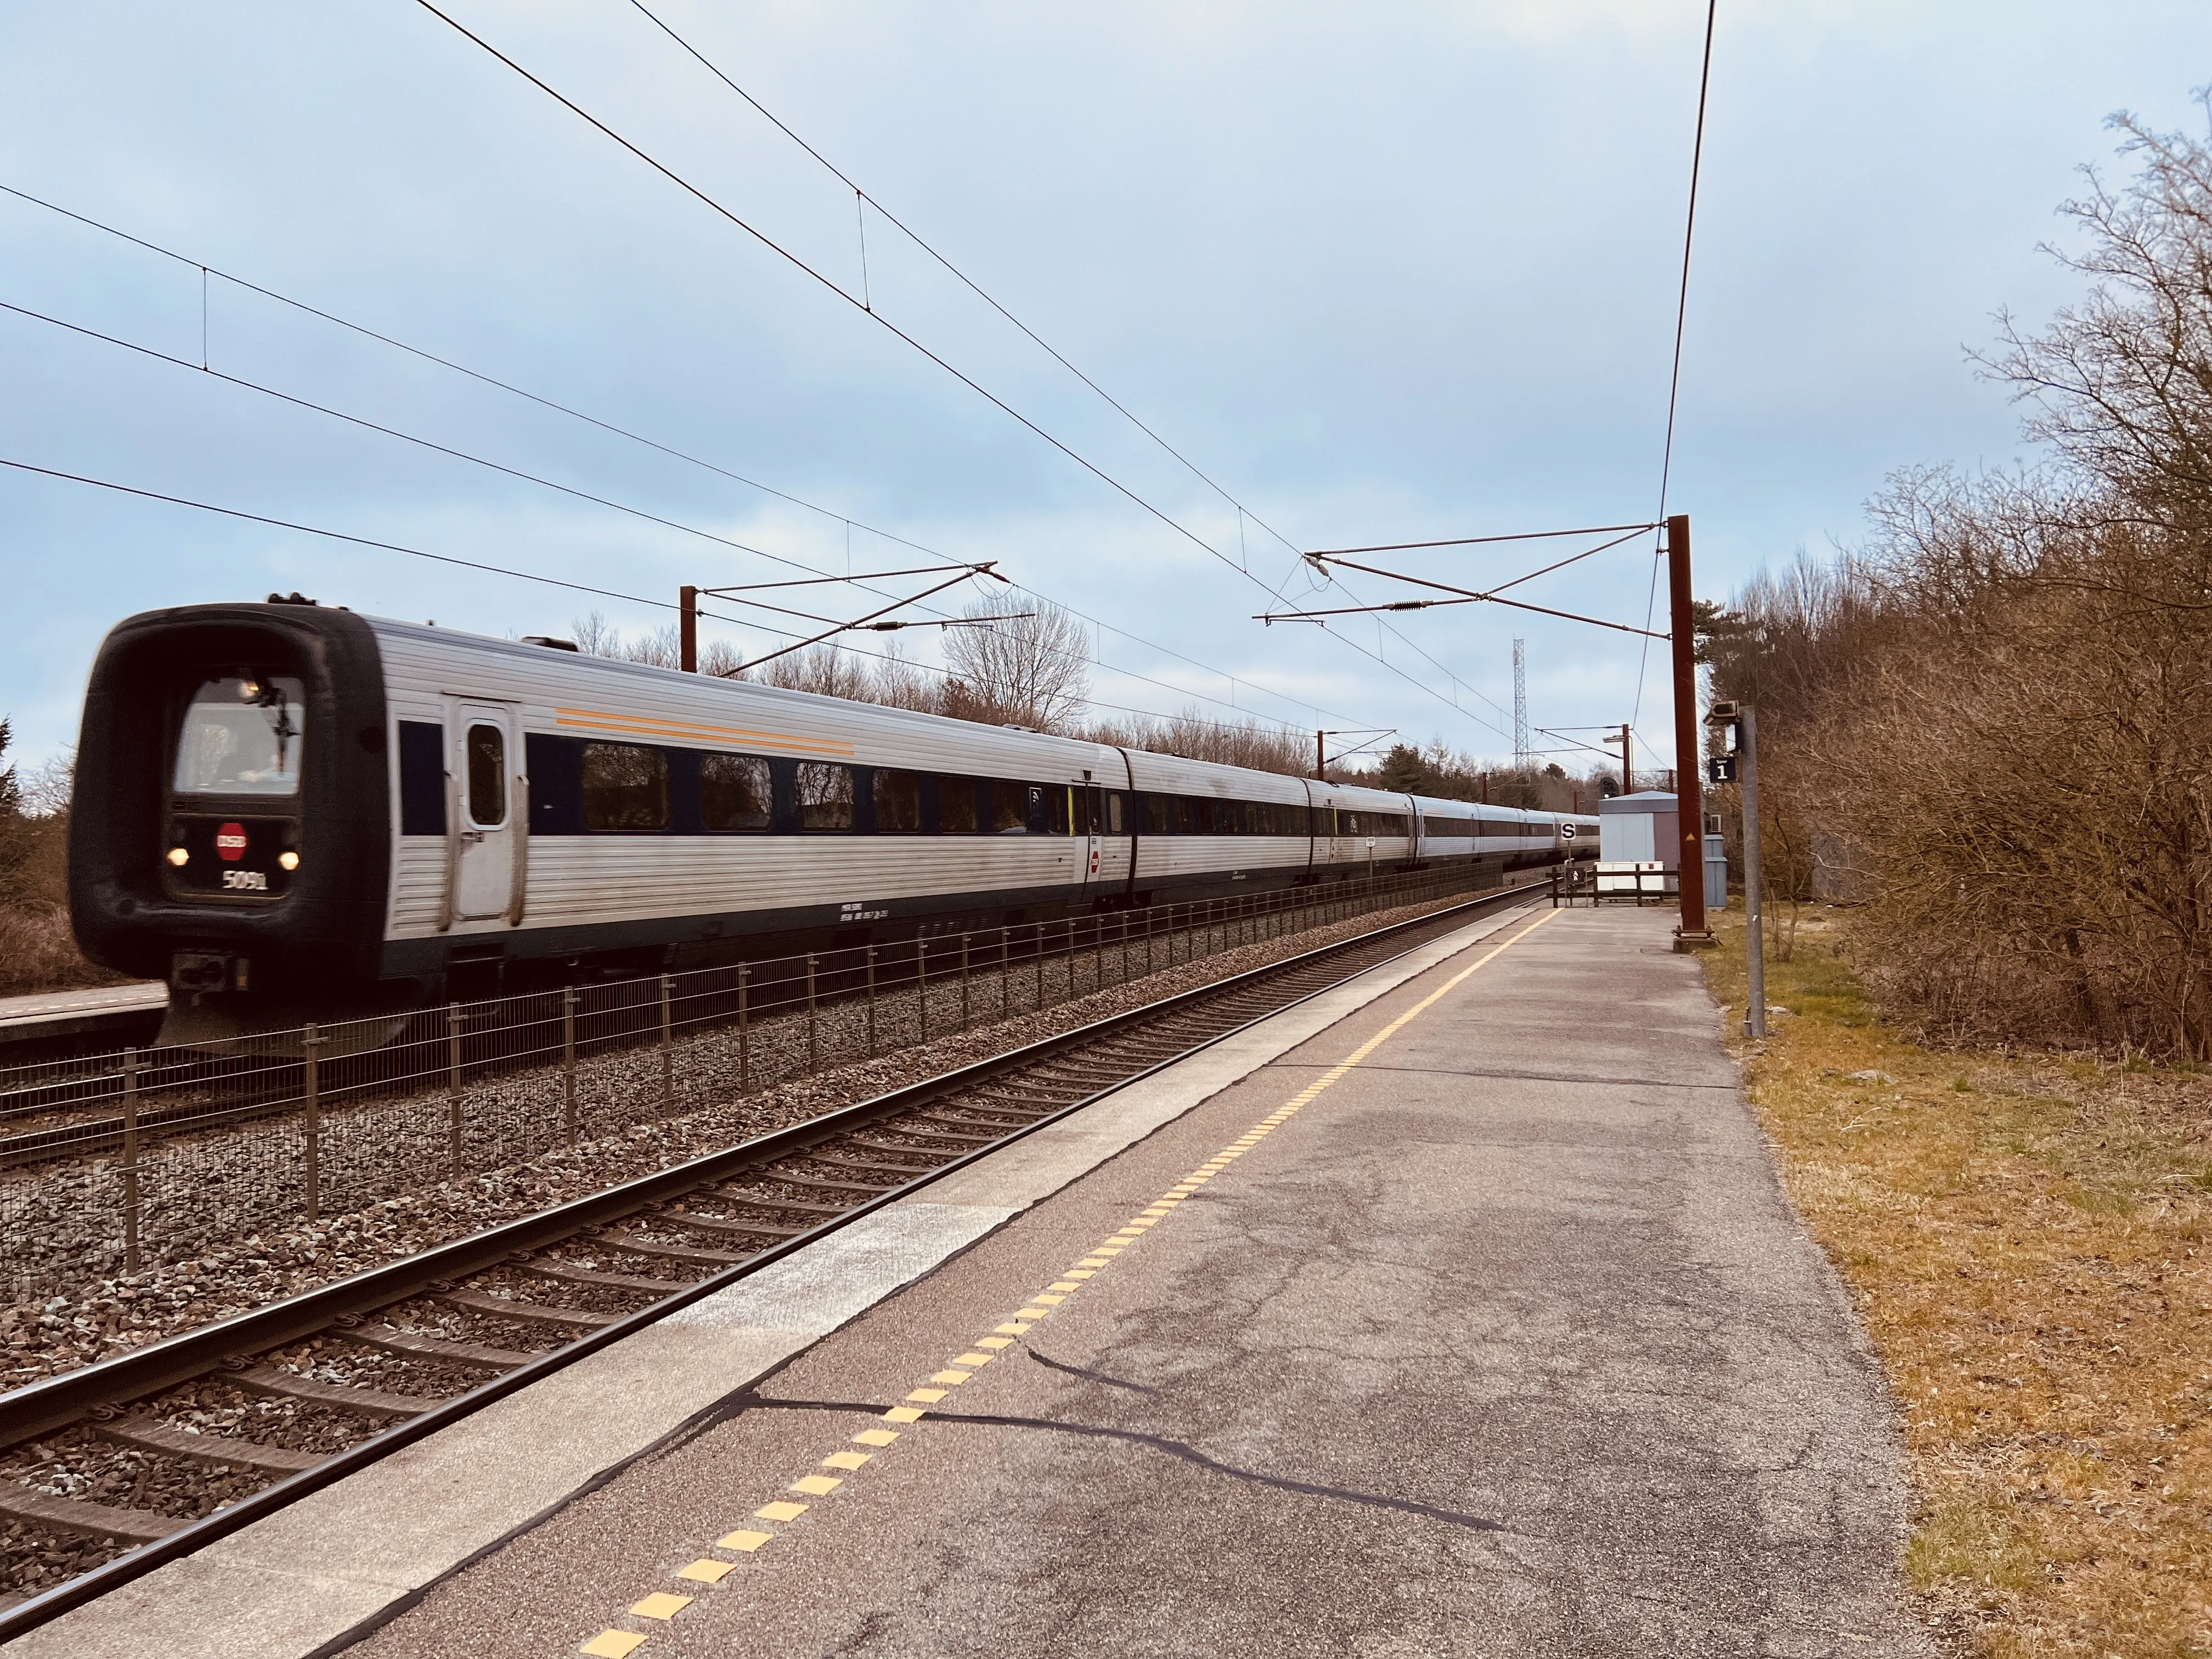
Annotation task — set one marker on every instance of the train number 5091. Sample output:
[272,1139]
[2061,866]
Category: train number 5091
[245,881]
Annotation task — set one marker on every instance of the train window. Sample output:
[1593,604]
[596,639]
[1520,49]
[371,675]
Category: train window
[825,796]
[1159,814]
[241,736]
[625,787]
[1055,808]
[1115,814]
[898,803]
[1010,809]
[422,779]
[734,793]
[956,806]
[487,777]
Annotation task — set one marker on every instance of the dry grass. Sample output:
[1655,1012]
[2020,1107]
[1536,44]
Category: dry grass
[39,953]
[2026,1240]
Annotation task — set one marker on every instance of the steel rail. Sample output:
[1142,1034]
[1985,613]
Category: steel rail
[57,1402]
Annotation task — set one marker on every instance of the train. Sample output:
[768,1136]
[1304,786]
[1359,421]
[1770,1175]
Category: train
[288,811]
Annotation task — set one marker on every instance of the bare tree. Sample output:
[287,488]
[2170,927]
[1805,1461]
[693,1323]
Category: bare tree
[1029,670]
[823,670]
[2121,384]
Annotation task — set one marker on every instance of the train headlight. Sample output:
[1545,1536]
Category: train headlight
[249,689]
[178,857]
[288,860]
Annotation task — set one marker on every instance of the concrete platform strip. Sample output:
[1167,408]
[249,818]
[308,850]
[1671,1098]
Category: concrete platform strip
[661,1607]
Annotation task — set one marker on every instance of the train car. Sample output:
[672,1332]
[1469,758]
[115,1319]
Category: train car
[291,811]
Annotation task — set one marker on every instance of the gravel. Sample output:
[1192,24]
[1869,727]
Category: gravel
[222,1229]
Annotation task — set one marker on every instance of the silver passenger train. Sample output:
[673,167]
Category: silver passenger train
[290,811]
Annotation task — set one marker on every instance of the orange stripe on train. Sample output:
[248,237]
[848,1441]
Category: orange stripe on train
[644,725]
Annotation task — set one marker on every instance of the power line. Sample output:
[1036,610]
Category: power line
[526,575]
[876,317]
[786,254]
[965,280]
[303,306]
[1681,319]
[1689,230]
[860,194]
[1477,541]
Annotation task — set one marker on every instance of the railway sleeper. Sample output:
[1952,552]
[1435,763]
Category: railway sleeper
[76,1515]
[698,1255]
[1027,1099]
[363,1402]
[872,1188]
[758,1201]
[563,1273]
[410,1345]
[837,1162]
[149,1434]
[954,1124]
[963,1143]
[912,1151]
[528,1313]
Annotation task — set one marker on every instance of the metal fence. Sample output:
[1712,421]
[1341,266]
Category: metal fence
[112,1162]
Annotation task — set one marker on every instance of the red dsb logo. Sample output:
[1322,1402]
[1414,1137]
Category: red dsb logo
[230,842]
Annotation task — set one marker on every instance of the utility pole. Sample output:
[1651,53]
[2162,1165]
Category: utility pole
[1689,798]
[688,628]
[1627,761]
[1321,757]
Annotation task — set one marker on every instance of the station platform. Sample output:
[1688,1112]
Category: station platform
[1458,1311]
[120,1013]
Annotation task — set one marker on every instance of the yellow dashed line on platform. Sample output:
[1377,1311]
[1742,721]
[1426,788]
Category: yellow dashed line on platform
[663,1606]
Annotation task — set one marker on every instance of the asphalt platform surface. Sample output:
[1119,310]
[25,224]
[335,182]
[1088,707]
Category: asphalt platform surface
[1503,1341]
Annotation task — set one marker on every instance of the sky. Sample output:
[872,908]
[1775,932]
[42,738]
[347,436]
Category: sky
[1377,274]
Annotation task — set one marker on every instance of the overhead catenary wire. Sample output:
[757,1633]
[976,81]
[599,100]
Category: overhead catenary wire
[834,287]
[615,429]
[377,544]
[1478,541]
[1681,323]
[963,279]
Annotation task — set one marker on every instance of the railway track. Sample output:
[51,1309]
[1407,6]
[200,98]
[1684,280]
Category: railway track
[215,1428]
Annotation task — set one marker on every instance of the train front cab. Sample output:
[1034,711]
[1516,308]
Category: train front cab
[228,830]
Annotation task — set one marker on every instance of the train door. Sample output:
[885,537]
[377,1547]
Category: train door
[1113,843]
[1090,832]
[489,799]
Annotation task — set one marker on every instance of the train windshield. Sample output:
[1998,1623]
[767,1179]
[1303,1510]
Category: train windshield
[241,737]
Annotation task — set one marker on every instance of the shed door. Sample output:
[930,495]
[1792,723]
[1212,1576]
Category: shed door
[486,768]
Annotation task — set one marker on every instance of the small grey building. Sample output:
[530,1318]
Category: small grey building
[1639,846]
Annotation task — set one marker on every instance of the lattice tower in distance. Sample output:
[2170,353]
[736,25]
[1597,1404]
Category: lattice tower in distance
[1522,760]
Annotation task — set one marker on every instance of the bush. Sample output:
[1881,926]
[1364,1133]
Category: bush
[2005,702]
[38,952]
